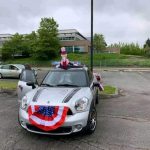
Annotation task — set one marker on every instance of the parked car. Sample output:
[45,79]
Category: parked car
[11,70]
[64,103]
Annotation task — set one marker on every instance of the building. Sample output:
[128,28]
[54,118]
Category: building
[73,41]
[3,38]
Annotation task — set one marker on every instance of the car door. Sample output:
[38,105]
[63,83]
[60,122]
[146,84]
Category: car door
[14,71]
[5,71]
[26,77]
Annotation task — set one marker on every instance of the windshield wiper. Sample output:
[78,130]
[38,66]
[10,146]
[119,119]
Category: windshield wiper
[45,84]
[68,85]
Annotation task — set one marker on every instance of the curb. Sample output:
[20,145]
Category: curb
[123,69]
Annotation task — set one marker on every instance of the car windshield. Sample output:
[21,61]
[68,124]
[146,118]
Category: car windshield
[20,66]
[70,78]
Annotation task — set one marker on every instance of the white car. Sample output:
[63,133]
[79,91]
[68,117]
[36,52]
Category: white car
[63,103]
[11,70]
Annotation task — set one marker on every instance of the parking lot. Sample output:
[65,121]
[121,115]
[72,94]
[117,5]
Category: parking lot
[123,122]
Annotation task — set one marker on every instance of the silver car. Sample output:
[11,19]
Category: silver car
[74,88]
[11,70]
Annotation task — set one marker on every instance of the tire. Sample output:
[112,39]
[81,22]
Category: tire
[19,76]
[1,76]
[92,121]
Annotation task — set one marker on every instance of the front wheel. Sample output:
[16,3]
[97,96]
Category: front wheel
[92,121]
[1,76]
[19,76]
[97,97]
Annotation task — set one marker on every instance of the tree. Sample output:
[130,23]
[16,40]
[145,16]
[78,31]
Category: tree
[147,47]
[48,42]
[147,43]
[131,49]
[12,47]
[118,45]
[30,43]
[0,53]
[99,42]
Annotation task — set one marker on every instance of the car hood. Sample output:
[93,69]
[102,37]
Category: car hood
[54,96]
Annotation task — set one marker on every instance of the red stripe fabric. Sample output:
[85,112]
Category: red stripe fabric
[46,118]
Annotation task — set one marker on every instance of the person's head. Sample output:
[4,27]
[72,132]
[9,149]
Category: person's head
[27,67]
[63,52]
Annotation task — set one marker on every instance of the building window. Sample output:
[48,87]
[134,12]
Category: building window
[69,49]
[75,49]
[79,49]
[66,38]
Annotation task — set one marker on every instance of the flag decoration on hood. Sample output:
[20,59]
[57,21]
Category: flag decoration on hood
[47,117]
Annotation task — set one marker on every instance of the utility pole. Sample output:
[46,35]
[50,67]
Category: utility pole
[91,36]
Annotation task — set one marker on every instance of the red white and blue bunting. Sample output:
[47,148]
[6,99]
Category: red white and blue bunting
[47,117]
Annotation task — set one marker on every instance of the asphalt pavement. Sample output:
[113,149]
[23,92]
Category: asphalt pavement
[123,122]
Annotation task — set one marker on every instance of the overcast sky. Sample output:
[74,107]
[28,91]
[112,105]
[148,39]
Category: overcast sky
[117,20]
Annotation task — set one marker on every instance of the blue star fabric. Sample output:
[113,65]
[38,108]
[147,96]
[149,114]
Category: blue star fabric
[46,110]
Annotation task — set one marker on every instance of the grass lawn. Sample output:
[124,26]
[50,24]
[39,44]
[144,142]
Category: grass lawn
[10,85]
[100,60]
[108,90]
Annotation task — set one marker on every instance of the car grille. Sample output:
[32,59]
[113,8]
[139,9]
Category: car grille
[56,131]
[69,112]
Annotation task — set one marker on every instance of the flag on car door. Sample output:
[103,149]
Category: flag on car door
[47,117]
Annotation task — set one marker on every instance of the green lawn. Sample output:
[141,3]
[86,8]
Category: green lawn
[100,60]
[11,85]
[108,90]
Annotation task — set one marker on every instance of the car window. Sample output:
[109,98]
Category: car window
[55,78]
[28,76]
[13,67]
[5,67]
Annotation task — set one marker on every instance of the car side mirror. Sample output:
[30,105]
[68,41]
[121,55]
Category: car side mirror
[31,84]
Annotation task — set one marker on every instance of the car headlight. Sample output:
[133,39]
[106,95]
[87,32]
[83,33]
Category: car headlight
[81,104]
[24,102]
